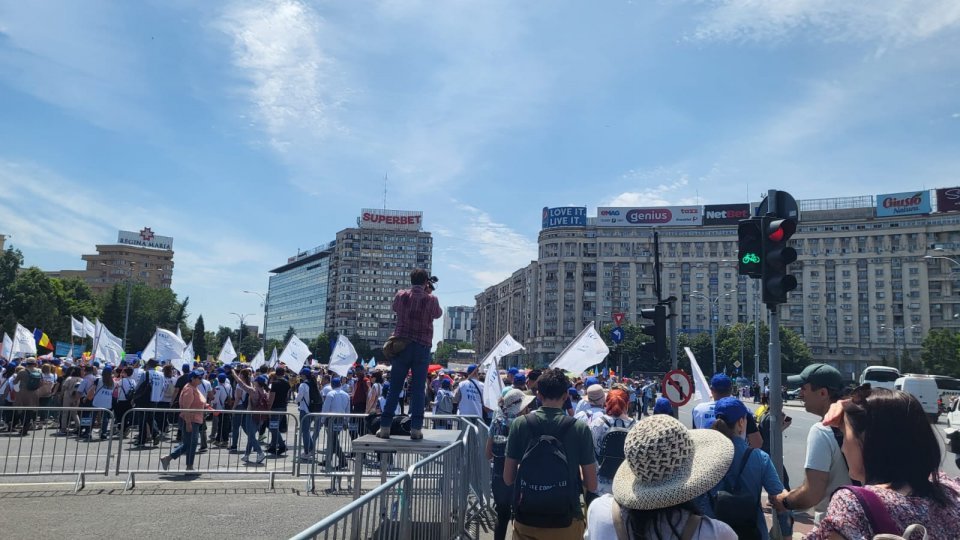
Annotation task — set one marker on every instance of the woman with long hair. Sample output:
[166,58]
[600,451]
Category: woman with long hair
[257,394]
[893,451]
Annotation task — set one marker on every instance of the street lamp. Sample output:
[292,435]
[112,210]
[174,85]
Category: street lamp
[126,315]
[715,306]
[263,304]
[242,318]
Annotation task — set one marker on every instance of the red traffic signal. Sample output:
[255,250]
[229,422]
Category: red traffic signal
[780,230]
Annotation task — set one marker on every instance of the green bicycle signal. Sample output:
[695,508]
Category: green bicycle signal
[751,258]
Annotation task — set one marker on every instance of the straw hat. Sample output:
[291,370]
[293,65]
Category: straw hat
[667,465]
[515,401]
[596,395]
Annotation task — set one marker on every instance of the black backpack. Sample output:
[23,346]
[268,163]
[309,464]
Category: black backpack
[544,494]
[142,394]
[316,398]
[737,508]
[33,380]
[610,454]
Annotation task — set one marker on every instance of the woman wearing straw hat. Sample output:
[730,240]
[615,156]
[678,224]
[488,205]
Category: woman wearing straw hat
[667,467]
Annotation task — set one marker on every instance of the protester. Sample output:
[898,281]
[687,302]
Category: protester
[373,395]
[69,397]
[750,470]
[825,468]
[241,402]
[308,401]
[125,388]
[358,398]
[721,386]
[28,381]
[100,396]
[416,309]
[879,426]
[337,402]
[520,382]
[609,430]
[557,514]
[221,402]
[667,468]
[663,406]
[469,394]
[585,404]
[596,403]
[256,394]
[192,398]
[279,394]
[514,403]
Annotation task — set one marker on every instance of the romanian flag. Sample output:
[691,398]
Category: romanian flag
[42,339]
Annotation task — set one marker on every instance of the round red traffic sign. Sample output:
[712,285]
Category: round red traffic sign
[678,387]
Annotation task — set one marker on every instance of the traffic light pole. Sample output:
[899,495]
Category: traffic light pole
[776,396]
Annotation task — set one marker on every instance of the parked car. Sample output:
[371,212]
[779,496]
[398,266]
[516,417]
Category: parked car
[880,376]
[924,388]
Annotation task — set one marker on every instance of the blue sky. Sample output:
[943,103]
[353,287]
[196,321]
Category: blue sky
[247,130]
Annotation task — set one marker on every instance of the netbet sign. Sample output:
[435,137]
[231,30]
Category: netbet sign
[725,214]
[400,220]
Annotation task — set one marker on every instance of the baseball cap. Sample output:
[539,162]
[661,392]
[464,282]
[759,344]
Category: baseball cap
[262,379]
[444,383]
[573,392]
[195,374]
[185,368]
[662,406]
[730,410]
[513,371]
[222,377]
[591,381]
[335,382]
[519,378]
[471,368]
[305,371]
[819,375]
[721,382]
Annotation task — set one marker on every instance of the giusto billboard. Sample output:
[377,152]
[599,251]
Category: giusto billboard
[903,204]
[948,199]
[567,216]
[145,238]
[725,214]
[402,220]
[662,216]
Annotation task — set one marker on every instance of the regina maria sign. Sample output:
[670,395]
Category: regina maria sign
[903,204]
[650,217]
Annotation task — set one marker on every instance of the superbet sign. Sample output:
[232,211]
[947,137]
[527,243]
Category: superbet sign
[391,219]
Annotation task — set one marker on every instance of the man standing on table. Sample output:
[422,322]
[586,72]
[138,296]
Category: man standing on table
[416,309]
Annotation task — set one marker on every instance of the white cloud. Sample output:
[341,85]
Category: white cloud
[486,250]
[657,187]
[888,21]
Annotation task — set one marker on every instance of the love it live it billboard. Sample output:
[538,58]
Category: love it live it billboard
[661,216]
[909,203]
[567,216]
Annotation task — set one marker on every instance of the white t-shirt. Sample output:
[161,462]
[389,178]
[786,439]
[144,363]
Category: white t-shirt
[824,454]
[102,396]
[127,386]
[222,395]
[303,397]
[703,413]
[159,383]
[471,398]
[586,414]
[600,523]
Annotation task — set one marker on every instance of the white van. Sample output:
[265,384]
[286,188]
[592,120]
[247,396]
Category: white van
[880,376]
[925,390]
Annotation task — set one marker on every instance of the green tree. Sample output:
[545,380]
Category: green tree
[149,309]
[198,336]
[941,352]
[10,262]
[35,301]
[290,332]
[212,344]
[250,346]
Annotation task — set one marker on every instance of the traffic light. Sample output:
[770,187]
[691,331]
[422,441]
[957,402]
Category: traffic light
[658,330]
[775,257]
[750,242]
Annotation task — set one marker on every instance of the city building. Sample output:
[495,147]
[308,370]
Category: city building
[142,257]
[364,266]
[3,241]
[875,274]
[458,324]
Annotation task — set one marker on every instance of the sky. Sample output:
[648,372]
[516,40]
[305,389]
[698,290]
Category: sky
[249,130]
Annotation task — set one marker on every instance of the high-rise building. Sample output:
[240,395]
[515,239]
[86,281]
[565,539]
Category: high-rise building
[364,267]
[458,324]
[875,275]
[142,257]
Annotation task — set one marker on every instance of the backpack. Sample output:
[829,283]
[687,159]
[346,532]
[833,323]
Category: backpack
[736,507]
[445,403]
[610,454]
[262,404]
[34,379]
[316,398]
[141,395]
[544,494]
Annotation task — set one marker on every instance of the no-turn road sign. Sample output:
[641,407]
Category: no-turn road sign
[678,387]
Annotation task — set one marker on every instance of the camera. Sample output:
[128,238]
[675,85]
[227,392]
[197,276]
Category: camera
[431,283]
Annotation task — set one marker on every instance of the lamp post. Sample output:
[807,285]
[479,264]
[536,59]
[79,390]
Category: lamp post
[263,304]
[243,319]
[126,313]
[714,306]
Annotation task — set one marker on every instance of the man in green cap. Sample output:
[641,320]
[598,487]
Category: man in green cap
[825,468]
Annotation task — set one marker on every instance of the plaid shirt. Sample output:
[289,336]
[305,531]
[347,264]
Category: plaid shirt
[416,309]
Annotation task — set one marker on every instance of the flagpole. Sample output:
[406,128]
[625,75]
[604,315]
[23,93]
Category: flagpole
[565,349]
[489,354]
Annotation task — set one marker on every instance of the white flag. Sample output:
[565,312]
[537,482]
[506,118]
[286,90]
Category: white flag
[150,348]
[89,329]
[7,347]
[227,354]
[258,360]
[343,356]
[167,346]
[582,353]
[23,343]
[106,346]
[274,361]
[76,328]
[701,390]
[493,385]
[188,353]
[295,354]
[179,335]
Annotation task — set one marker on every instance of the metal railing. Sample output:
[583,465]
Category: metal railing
[156,437]
[37,441]
[377,514]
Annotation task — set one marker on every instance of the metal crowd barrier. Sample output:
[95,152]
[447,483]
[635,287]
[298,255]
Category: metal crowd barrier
[376,515]
[134,458]
[47,447]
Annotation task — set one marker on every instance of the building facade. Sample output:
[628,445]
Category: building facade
[458,324]
[872,282]
[364,267]
[141,257]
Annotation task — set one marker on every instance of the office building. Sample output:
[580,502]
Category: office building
[297,295]
[458,324]
[872,277]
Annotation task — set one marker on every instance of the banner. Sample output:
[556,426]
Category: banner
[725,214]
[343,356]
[568,216]
[227,354]
[948,199]
[701,388]
[106,346]
[89,329]
[586,351]
[274,361]
[23,343]
[188,353]
[663,216]
[493,385]
[166,346]
[258,360]
[7,347]
[76,328]
[390,219]
[903,204]
[295,354]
